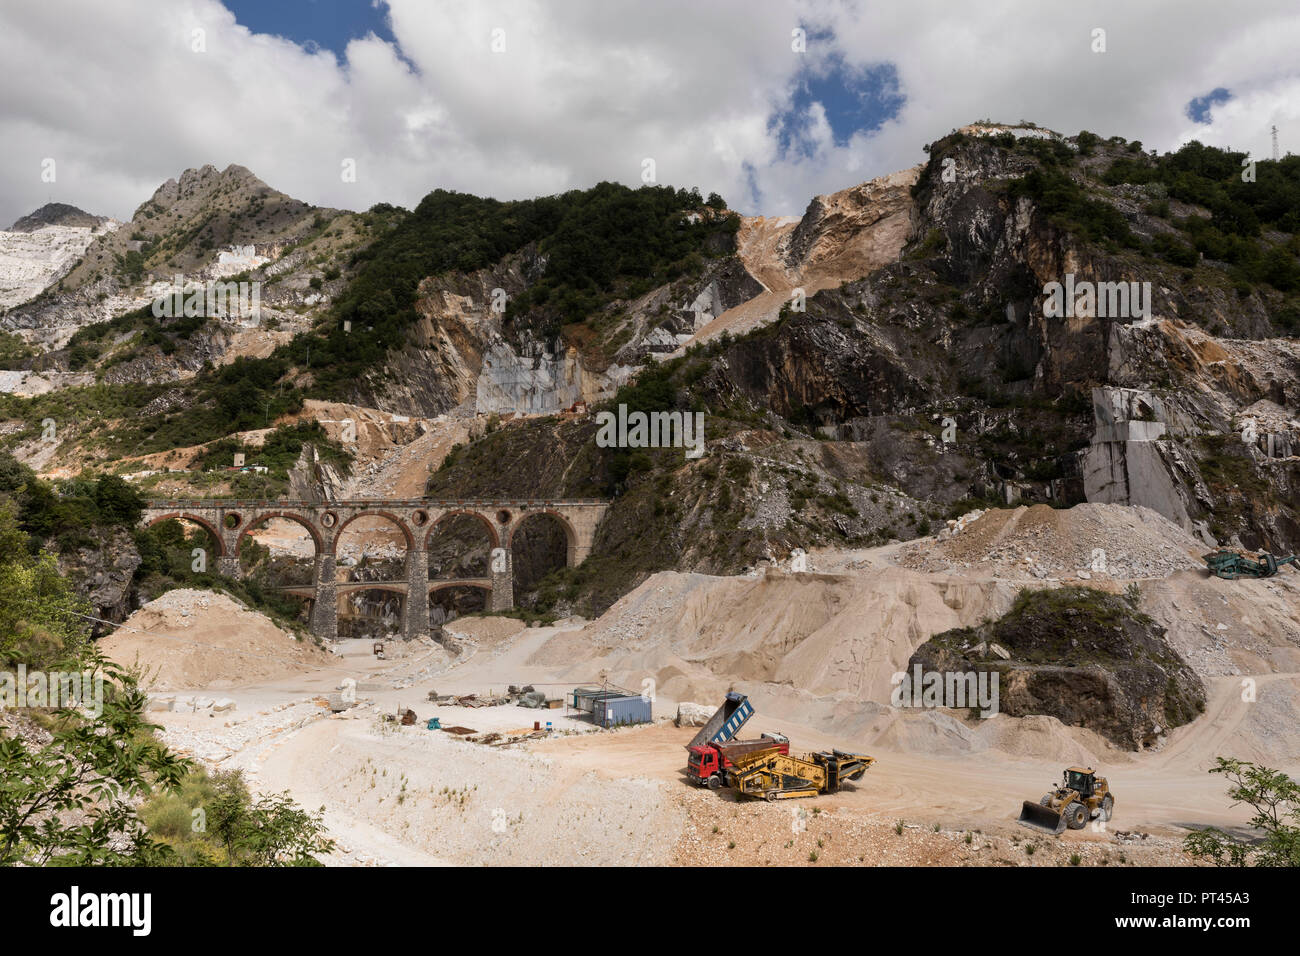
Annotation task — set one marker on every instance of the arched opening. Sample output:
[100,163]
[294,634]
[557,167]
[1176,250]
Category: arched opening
[452,601]
[541,543]
[372,613]
[371,548]
[176,549]
[191,522]
[278,551]
[459,546]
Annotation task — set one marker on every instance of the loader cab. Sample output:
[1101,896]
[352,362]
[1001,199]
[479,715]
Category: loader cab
[1080,779]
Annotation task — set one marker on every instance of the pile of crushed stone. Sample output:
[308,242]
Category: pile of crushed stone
[1087,542]
[189,638]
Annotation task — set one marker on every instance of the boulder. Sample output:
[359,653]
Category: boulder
[693,715]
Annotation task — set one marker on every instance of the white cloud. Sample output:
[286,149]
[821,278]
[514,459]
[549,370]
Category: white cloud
[586,89]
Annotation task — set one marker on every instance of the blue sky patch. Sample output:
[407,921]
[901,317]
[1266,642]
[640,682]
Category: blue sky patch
[314,24]
[1198,109]
[855,99]
[753,192]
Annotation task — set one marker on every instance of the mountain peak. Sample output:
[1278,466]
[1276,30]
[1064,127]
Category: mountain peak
[57,214]
[207,178]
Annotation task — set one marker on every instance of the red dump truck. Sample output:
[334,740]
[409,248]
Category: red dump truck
[706,764]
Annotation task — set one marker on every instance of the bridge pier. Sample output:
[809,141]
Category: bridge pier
[228,566]
[584,526]
[417,595]
[325,606]
[503,580]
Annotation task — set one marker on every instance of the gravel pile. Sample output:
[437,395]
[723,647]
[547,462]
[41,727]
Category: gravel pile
[1083,543]
[189,639]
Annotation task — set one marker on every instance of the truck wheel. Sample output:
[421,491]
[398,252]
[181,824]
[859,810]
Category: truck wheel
[1076,816]
[715,782]
[1107,805]
[1047,800]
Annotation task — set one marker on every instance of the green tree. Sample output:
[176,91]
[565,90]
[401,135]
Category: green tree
[41,618]
[239,829]
[266,831]
[70,801]
[118,502]
[1275,798]
[14,475]
[228,813]
[278,832]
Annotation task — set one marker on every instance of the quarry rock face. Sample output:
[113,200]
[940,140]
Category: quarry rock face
[532,385]
[842,237]
[437,367]
[1147,408]
[848,234]
[103,571]
[312,479]
[1129,460]
[33,258]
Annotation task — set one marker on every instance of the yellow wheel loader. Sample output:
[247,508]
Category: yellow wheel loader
[1082,796]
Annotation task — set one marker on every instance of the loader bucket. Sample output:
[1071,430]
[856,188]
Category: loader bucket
[1038,817]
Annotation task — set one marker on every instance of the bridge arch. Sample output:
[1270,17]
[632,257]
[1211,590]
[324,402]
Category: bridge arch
[360,617]
[390,516]
[361,587]
[453,598]
[260,518]
[449,583]
[195,519]
[570,533]
[493,536]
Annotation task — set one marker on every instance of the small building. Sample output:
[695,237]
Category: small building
[584,698]
[612,706]
[624,709]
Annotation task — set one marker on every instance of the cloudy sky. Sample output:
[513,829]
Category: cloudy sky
[525,97]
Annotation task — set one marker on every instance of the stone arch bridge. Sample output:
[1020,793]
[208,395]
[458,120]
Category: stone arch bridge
[228,521]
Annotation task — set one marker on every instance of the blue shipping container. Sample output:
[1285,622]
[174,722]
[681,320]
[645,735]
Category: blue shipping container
[616,711]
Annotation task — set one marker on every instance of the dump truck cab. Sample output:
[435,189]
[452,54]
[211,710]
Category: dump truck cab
[704,764]
[707,765]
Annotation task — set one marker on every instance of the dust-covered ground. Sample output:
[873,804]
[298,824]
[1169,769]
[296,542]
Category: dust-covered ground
[815,652]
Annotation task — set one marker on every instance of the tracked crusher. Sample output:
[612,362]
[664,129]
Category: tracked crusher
[773,775]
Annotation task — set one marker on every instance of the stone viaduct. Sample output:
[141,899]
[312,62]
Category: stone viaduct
[228,521]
